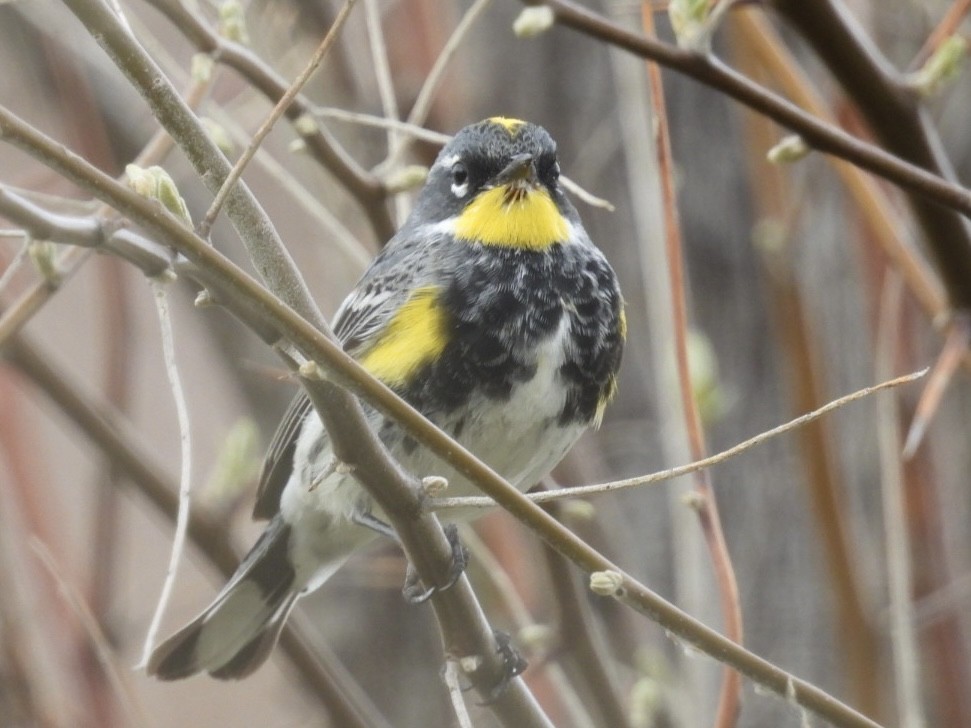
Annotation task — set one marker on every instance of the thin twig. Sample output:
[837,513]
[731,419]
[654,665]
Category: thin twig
[454,685]
[816,133]
[379,122]
[947,27]
[582,491]
[19,257]
[423,102]
[185,474]
[704,501]
[382,74]
[319,672]
[102,648]
[906,656]
[281,107]
[952,353]
[366,189]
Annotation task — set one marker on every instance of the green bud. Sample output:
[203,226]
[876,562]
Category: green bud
[703,371]
[691,21]
[305,124]
[232,22]
[217,133]
[156,184]
[942,67]
[237,463]
[790,149]
[533,21]
[43,255]
[606,583]
[202,65]
[645,702]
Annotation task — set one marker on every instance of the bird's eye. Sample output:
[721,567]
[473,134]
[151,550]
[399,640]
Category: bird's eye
[460,180]
[555,171]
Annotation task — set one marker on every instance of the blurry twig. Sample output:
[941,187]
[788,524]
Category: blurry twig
[356,117]
[102,648]
[818,134]
[452,682]
[325,679]
[367,189]
[897,543]
[422,105]
[900,122]
[703,501]
[382,74]
[872,202]
[279,109]
[952,353]
[583,491]
[14,265]
[583,641]
[947,27]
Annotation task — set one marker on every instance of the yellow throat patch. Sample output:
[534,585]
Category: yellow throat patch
[512,218]
[416,335]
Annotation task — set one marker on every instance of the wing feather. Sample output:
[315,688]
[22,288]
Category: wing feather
[361,318]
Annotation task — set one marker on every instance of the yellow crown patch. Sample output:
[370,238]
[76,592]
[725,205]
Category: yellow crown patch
[510,125]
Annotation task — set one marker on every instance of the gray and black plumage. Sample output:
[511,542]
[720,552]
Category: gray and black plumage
[493,314]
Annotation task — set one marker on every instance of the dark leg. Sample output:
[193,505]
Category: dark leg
[513,665]
[413,591]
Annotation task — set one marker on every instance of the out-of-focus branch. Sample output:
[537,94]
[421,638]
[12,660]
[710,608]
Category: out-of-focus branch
[872,202]
[281,107]
[703,495]
[894,112]
[99,422]
[818,134]
[255,229]
[367,189]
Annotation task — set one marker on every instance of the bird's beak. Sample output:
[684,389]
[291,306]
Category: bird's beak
[521,169]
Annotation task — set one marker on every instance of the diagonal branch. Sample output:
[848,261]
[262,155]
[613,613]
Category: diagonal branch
[367,189]
[895,114]
[930,192]
[263,311]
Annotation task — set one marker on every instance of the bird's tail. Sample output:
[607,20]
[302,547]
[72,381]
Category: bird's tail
[236,633]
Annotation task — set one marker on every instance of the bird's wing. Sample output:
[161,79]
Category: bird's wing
[363,315]
[278,462]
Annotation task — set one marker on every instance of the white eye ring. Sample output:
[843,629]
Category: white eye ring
[460,180]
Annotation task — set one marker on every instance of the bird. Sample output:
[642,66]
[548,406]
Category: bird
[492,313]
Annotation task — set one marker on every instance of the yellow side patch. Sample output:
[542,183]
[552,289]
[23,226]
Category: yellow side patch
[520,219]
[622,324]
[609,393]
[415,336]
[510,125]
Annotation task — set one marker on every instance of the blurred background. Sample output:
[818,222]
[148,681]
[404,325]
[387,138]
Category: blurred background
[787,284]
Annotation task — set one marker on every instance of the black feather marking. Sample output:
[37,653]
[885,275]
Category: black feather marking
[175,658]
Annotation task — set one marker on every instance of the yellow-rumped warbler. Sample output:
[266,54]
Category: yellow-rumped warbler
[493,314]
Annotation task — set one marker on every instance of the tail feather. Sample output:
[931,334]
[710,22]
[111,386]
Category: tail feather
[236,633]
